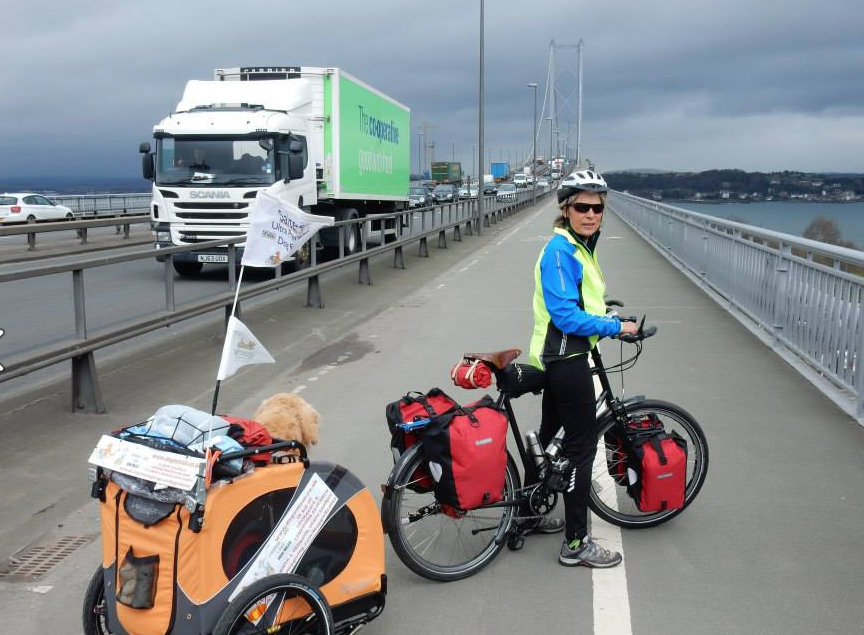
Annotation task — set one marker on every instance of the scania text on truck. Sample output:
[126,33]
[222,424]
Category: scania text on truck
[331,144]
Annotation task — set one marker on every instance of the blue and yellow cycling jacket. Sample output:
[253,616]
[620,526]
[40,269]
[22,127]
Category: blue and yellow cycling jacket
[569,308]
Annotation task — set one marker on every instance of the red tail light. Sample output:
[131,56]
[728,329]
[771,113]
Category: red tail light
[15,209]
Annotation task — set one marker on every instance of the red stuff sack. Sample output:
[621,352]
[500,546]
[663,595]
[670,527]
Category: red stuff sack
[250,434]
[465,453]
[415,406]
[659,464]
[471,373]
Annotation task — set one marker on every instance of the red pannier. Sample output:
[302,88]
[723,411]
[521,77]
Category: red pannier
[465,452]
[413,407]
[659,461]
[619,448]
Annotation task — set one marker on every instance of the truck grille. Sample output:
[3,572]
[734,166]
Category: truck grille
[217,216]
[211,206]
[204,235]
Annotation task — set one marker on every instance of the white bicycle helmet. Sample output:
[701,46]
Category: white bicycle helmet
[582,181]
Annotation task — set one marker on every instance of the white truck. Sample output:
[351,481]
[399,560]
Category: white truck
[332,145]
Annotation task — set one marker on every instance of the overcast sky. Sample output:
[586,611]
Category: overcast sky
[673,84]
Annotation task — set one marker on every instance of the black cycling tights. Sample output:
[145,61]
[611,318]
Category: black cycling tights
[569,401]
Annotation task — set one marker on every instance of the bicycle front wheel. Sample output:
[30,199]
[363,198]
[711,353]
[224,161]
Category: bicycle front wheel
[435,542]
[609,497]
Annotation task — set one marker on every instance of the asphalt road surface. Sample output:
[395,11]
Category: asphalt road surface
[771,545]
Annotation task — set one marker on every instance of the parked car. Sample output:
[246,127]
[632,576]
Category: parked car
[445,193]
[507,192]
[418,197]
[27,207]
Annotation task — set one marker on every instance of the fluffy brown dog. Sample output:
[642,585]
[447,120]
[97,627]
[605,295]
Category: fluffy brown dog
[290,417]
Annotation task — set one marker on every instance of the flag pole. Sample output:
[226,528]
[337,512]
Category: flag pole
[219,381]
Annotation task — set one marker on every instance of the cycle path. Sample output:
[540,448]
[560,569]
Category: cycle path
[772,544]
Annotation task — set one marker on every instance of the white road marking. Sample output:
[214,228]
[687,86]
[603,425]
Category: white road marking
[299,389]
[611,600]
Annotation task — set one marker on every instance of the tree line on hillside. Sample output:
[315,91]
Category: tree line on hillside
[739,185]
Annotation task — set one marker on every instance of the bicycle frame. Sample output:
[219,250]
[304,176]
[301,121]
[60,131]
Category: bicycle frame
[614,405]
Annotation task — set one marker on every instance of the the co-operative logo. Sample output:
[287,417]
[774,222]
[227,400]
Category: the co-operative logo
[381,130]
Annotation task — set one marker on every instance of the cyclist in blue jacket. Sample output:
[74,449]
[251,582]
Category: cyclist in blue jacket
[569,318]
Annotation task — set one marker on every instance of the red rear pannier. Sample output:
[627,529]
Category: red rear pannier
[660,463]
[413,407]
[466,454]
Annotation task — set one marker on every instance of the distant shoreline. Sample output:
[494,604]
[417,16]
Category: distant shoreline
[747,202]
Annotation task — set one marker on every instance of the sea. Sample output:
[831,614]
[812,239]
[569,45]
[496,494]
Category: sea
[782,216]
[787,217]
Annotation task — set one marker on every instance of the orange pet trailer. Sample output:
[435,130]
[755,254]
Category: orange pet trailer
[292,546]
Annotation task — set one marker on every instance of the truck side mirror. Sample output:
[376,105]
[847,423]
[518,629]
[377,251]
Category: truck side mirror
[147,168]
[144,148]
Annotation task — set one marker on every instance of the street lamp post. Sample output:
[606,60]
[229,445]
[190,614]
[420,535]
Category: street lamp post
[420,152]
[480,200]
[534,142]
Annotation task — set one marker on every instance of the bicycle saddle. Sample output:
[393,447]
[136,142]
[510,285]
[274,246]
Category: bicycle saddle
[499,360]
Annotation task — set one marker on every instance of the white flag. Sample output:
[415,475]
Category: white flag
[277,229]
[241,348]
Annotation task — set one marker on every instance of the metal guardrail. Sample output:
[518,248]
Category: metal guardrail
[86,394]
[122,221]
[95,204]
[804,298]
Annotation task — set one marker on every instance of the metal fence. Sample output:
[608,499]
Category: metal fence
[434,222]
[105,203]
[801,296]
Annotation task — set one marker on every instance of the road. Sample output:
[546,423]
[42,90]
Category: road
[771,545]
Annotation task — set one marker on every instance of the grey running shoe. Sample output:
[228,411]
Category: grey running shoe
[549,525]
[588,554]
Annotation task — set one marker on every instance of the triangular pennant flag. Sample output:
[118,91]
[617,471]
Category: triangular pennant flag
[241,348]
[277,229]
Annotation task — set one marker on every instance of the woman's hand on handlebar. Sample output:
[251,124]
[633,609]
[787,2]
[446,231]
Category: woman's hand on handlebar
[628,328]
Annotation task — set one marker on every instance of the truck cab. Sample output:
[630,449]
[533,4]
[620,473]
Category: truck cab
[253,128]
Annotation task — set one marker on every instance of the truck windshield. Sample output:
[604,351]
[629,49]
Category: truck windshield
[202,161]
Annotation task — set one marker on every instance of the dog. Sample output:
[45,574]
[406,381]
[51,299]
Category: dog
[289,417]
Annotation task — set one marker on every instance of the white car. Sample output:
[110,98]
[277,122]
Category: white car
[507,192]
[26,207]
[521,180]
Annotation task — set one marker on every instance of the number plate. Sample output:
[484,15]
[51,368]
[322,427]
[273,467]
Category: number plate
[212,257]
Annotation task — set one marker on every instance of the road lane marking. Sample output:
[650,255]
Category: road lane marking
[611,599]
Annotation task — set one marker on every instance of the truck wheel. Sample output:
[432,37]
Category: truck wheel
[351,233]
[188,269]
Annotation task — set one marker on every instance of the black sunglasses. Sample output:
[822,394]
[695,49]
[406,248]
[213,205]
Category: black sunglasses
[583,208]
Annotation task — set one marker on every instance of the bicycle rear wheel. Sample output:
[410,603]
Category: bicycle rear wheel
[438,545]
[610,500]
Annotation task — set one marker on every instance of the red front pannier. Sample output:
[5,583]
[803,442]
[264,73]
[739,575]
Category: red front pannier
[413,407]
[660,463]
[465,452]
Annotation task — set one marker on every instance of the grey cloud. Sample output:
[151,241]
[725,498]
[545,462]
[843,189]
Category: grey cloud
[665,82]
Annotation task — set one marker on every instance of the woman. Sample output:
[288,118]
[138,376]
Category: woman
[569,318]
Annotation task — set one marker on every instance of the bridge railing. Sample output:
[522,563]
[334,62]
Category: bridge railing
[434,222]
[95,204]
[802,297]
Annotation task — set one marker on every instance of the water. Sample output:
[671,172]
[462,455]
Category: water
[790,218]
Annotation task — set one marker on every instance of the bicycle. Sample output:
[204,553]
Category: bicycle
[441,545]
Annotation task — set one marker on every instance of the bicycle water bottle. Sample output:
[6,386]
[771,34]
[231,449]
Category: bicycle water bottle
[533,447]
